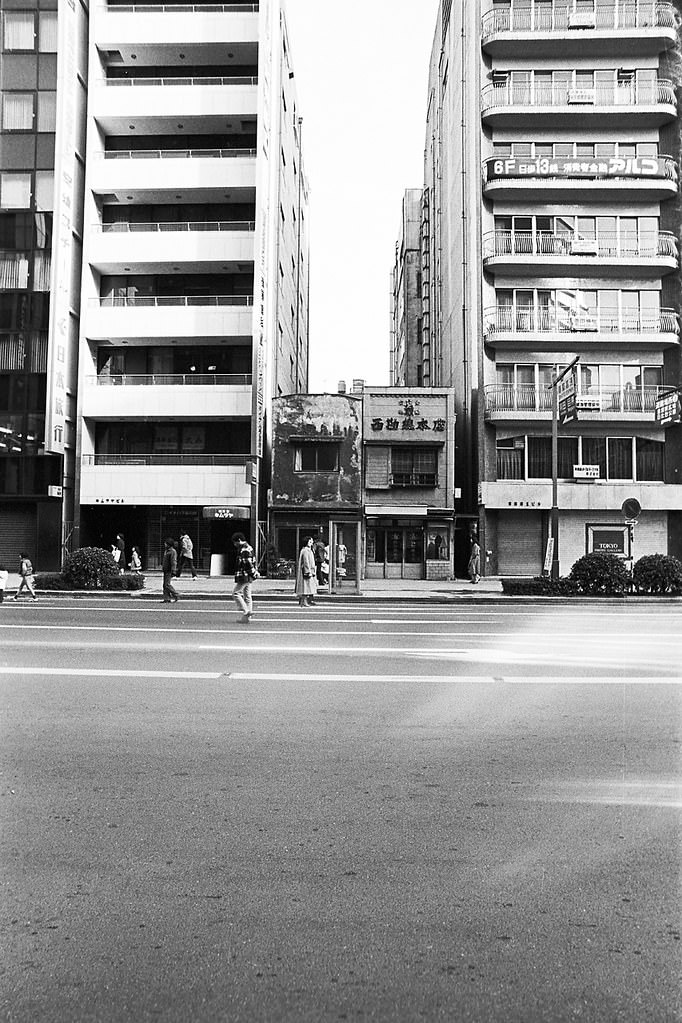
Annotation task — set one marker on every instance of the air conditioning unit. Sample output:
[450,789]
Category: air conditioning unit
[581,19]
[583,323]
[584,247]
[581,96]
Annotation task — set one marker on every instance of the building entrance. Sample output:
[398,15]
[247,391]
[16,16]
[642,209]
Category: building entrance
[395,552]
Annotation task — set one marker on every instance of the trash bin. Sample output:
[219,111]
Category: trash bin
[217,564]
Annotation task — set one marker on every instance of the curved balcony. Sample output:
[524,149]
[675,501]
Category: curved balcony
[549,31]
[559,329]
[209,246]
[510,105]
[565,255]
[640,178]
[524,401]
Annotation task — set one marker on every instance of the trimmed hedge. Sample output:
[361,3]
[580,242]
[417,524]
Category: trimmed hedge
[658,574]
[539,586]
[56,582]
[600,575]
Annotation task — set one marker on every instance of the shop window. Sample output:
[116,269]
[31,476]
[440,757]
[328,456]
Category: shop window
[619,458]
[17,111]
[414,467]
[47,31]
[510,458]
[15,191]
[18,30]
[649,459]
[316,457]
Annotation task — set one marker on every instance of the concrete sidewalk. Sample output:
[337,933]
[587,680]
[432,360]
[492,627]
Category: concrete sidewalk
[206,587]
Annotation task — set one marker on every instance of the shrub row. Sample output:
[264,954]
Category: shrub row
[605,575]
[89,568]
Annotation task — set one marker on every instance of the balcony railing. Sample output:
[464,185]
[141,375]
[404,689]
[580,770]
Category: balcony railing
[605,245]
[175,154]
[499,169]
[123,227]
[529,398]
[414,479]
[507,320]
[551,18]
[253,80]
[541,94]
[171,380]
[181,8]
[173,300]
[165,459]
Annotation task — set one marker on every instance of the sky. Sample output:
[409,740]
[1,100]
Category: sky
[361,71]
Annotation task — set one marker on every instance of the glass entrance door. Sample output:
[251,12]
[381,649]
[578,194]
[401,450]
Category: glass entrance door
[343,556]
[395,552]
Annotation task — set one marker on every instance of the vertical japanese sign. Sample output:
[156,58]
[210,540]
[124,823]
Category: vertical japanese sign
[62,333]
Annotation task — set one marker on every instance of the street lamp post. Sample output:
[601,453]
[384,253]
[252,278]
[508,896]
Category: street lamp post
[554,514]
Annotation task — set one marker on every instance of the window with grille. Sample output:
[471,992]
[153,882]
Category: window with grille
[414,467]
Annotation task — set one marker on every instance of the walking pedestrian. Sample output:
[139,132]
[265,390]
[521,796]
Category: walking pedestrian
[121,559]
[186,556]
[245,573]
[169,566]
[4,576]
[474,567]
[26,573]
[306,575]
[135,565]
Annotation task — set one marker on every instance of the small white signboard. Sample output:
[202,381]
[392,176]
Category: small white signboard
[586,472]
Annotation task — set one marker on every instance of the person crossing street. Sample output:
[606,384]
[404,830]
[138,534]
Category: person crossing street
[245,573]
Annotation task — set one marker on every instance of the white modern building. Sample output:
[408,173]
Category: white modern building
[195,270]
[550,230]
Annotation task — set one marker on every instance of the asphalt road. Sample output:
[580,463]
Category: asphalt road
[360,811]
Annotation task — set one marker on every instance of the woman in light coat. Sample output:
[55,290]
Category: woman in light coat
[306,575]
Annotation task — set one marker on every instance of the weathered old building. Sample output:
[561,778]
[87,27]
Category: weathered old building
[316,486]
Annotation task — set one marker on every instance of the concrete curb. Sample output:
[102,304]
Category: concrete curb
[324,599]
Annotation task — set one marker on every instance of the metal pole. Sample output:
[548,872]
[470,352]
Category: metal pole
[554,514]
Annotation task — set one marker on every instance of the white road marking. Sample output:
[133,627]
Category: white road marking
[251,630]
[111,673]
[243,676]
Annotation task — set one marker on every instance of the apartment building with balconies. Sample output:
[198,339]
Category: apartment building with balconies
[195,273]
[406,300]
[43,70]
[551,229]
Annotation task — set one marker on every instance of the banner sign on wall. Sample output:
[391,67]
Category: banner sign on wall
[609,167]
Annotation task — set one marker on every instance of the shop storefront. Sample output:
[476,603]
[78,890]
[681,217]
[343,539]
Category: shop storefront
[409,483]
[210,529]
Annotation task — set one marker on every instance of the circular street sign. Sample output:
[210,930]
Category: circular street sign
[631,508]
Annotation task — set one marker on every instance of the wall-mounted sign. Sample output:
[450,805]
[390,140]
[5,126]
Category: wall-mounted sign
[609,540]
[409,417]
[226,513]
[567,388]
[53,491]
[669,408]
[586,472]
[544,166]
